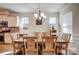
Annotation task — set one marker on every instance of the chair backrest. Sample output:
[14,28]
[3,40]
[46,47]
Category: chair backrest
[29,42]
[49,42]
[45,34]
[21,35]
[66,36]
[12,38]
[36,34]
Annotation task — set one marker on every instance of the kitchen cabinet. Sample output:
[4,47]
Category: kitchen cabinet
[12,21]
[7,38]
[2,37]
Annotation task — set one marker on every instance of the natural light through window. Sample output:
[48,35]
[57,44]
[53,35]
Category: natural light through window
[52,20]
[22,21]
[17,21]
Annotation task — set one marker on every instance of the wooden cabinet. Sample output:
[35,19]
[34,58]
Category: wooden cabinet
[7,38]
[12,21]
[2,37]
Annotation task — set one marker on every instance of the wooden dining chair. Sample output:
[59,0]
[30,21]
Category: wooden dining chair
[64,46]
[36,34]
[22,35]
[31,44]
[49,45]
[66,37]
[18,48]
[45,34]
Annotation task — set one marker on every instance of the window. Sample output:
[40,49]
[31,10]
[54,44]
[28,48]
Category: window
[52,20]
[17,21]
[22,21]
[67,24]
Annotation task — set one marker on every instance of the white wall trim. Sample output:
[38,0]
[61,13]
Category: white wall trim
[74,48]
[65,7]
[75,35]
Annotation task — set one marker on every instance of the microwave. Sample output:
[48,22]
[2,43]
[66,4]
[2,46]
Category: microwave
[3,23]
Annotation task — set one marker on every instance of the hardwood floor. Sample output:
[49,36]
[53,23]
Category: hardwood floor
[6,48]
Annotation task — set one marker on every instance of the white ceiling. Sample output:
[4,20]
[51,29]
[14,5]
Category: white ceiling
[31,7]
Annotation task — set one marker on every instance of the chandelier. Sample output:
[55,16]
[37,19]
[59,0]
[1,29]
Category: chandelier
[39,15]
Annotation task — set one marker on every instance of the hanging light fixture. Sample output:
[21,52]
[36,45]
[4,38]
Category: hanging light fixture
[40,15]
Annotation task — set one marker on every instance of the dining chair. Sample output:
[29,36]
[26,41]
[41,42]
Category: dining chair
[36,34]
[49,45]
[21,35]
[66,37]
[64,46]
[45,34]
[30,45]
[18,48]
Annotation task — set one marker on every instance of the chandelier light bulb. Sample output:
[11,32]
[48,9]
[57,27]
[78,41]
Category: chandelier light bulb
[42,14]
[35,15]
[39,18]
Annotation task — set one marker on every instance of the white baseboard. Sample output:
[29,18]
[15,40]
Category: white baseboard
[75,50]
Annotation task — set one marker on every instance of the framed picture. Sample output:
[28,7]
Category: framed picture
[38,22]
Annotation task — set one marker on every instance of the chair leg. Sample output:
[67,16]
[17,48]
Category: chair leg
[54,53]
[23,51]
[13,50]
[66,51]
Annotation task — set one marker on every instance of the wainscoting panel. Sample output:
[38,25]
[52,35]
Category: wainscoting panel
[75,44]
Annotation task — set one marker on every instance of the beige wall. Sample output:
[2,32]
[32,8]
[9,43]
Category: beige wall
[12,21]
